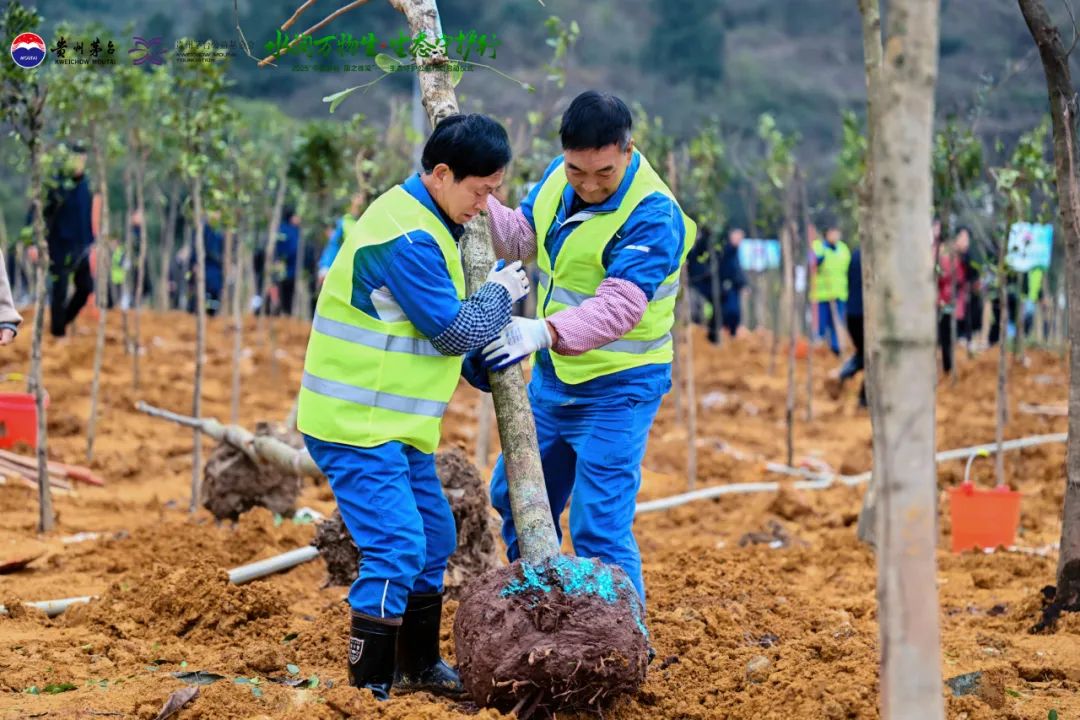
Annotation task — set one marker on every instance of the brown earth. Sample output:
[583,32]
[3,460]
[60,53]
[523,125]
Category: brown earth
[741,631]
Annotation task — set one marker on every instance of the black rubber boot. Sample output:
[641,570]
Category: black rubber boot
[371,655]
[419,664]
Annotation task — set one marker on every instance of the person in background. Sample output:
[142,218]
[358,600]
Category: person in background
[285,259]
[831,258]
[337,234]
[10,319]
[971,324]
[214,246]
[69,232]
[732,283]
[952,299]
[855,364]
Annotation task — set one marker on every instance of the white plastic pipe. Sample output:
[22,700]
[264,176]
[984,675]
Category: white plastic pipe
[820,481]
[237,576]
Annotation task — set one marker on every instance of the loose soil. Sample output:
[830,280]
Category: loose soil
[782,625]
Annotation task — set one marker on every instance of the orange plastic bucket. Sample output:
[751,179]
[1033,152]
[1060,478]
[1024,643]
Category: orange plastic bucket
[802,348]
[983,518]
[18,419]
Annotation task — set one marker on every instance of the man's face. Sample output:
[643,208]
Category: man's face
[735,237]
[462,201]
[832,235]
[595,174]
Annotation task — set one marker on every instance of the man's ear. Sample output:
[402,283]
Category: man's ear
[442,173]
[630,147]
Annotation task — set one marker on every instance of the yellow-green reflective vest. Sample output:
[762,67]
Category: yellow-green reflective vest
[830,282]
[367,381]
[117,271]
[579,270]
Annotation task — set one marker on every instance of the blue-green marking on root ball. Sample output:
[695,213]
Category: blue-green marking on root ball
[576,577]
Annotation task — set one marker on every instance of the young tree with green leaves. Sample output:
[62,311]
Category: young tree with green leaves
[83,97]
[200,115]
[1025,176]
[23,94]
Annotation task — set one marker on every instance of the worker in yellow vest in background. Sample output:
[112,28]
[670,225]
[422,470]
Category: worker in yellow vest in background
[390,329]
[831,258]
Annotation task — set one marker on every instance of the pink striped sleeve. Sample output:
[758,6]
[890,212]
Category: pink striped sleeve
[614,311]
[511,234]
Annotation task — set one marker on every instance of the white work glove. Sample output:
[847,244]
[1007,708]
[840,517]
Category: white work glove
[521,337]
[512,277]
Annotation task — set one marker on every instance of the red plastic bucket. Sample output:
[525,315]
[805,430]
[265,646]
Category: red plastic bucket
[18,419]
[983,518]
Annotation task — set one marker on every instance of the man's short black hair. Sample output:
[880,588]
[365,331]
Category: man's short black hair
[595,120]
[470,145]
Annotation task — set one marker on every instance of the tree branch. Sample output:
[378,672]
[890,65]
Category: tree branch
[317,26]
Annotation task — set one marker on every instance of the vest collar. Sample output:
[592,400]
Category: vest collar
[415,187]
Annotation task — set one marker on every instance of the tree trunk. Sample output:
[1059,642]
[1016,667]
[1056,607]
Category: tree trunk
[1002,414]
[517,431]
[238,326]
[807,300]
[125,292]
[265,320]
[140,268]
[299,303]
[46,517]
[225,301]
[1063,113]
[870,11]
[678,370]
[905,344]
[691,390]
[483,432]
[788,249]
[167,246]
[104,264]
[200,339]
[714,288]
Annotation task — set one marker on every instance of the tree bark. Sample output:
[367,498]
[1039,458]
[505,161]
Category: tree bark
[807,299]
[167,245]
[1001,416]
[104,264]
[200,340]
[125,293]
[1063,114]
[903,315]
[517,431]
[140,268]
[238,326]
[46,517]
[870,11]
[787,241]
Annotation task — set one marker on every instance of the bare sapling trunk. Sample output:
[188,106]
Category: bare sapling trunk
[807,298]
[238,325]
[903,315]
[870,12]
[200,340]
[1002,410]
[140,269]
[104,263]
[788,249]
[691,390]
[46,516]
[716,327]
[266,322]
[299,299]
[125,292]
[167,245]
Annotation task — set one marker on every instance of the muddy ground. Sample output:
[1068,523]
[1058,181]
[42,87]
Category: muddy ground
[742,630]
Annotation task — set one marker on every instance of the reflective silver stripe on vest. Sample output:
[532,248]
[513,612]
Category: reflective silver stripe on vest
[573,299]
[372,398]
[373,338]
[636,347]
[544,278]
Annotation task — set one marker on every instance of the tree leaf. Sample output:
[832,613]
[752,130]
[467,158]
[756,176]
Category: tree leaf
[337,98]
[386,63]
[199,677]
[57,688]
[456,74]
[177,700]
[293,669]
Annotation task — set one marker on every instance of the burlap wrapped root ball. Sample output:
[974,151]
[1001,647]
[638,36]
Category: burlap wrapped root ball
[567,635]
[233,483]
